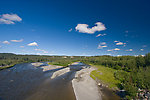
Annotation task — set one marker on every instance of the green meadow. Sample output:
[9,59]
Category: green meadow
[105,75]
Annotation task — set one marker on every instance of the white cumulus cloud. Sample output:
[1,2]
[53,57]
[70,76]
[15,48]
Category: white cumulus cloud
[116,49]
[17,40]
[142,49]
[102,45]
[33,44]
[83,28]
[4,21]
[119,55]
[119,43]
[130,50]
[116,41]
[9,18]
[101,35]
[6,42]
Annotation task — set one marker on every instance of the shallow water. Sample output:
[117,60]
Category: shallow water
[26,82]
[59,88]
[108,94]
[15,82]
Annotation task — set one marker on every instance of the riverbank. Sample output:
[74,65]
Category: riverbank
[5,67]
[40,81]
[46,67]
[106,76]
[106,81]
[84,86]
[82,83]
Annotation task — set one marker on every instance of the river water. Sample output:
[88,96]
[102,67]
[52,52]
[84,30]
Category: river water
[59,88]
[27,82]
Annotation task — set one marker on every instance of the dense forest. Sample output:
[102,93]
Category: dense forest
[133,72]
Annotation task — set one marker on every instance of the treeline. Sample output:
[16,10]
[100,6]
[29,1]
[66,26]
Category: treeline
[9,59]
[127,63]
[135,74]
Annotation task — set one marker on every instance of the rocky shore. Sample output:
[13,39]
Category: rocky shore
[85,88]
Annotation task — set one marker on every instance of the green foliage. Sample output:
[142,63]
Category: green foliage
[126,72]
[140,61]
[106,75]
[132,72]
[147,59]
[117,67]
[8,66]
[124,62]
[9,59]
[120,75]
[62,62]
[130,87]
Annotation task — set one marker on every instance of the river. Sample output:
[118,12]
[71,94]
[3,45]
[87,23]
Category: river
[28,82]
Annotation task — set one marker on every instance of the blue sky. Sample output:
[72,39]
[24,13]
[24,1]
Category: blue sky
[75,27]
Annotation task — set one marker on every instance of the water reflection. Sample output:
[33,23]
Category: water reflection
[24,81]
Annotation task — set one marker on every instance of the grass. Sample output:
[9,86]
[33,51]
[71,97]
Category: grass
[65,64]
[5,67]
[54,63]
[106,75]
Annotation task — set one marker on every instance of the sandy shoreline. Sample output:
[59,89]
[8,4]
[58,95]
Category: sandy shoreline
[60,72]
[46,67]
[84,86]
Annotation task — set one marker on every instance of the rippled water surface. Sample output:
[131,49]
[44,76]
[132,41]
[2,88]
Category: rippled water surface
[26,82]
